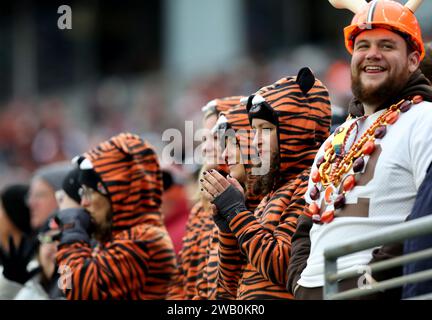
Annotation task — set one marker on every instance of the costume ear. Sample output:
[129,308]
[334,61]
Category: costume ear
[77,160]
[305,79]
[249,102]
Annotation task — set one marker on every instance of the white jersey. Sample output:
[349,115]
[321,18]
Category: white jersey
[384,194]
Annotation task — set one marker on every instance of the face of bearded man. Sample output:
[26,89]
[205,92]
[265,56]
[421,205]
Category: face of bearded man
[380,66]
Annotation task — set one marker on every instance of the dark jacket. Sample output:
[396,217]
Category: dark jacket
[422,207]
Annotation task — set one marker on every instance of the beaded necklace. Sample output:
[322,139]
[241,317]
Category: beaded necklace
[336,171]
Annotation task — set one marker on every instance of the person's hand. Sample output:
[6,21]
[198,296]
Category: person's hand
[204,194]
[75,224]
[225,193]
[213,184]
[16,259]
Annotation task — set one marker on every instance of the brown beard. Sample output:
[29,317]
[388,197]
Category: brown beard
[264,184]
[380,95]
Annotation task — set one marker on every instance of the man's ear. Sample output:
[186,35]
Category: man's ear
[305,79]
[413,61]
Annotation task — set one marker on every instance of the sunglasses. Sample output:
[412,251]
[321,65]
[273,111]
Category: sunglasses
[85,193]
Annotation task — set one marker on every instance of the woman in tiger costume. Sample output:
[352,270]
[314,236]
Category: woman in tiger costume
[295,112]
[121,191]
[196,272]
[235,135]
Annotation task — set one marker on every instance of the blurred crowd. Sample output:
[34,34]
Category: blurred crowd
[57,127]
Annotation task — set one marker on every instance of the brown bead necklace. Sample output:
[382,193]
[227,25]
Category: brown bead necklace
[335,172]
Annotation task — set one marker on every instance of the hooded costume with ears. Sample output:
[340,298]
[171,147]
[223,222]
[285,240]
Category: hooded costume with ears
[138,260]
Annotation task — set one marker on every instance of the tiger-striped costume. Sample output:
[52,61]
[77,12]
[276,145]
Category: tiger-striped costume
[138,261]
[264,236]
[229,251]
[196,277]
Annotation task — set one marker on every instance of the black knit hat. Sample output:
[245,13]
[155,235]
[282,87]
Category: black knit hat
[13,200]
[71,184]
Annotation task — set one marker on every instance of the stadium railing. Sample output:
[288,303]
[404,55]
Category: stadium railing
[367,285]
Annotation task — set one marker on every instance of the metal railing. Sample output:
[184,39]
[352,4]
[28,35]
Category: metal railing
[388,235]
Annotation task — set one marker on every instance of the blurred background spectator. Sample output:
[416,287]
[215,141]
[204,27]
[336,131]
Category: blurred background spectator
[175,203]
[426,64]
[14,215]
[45,182]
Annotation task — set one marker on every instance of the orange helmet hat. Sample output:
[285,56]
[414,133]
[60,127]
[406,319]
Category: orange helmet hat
[386,14]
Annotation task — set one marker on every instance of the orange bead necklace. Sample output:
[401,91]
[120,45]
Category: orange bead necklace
[335,172]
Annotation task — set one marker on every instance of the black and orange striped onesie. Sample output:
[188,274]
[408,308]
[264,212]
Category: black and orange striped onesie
[264,235]
[138,261]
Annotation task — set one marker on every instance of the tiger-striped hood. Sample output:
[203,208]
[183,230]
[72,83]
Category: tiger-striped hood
[302,110]
[234,116]
[129,170]
[220,106]
[238,120]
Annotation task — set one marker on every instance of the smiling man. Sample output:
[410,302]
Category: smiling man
[367,174]
[381,66]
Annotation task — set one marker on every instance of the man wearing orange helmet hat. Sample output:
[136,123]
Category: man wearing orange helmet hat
[367,174]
